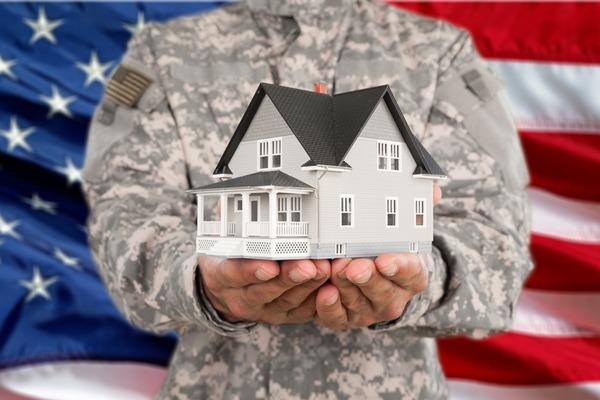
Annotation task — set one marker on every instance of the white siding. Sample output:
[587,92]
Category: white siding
[381,125]
[371,187]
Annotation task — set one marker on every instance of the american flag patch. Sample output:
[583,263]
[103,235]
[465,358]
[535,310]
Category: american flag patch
[127,86]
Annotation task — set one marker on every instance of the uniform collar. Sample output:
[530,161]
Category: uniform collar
[294,7]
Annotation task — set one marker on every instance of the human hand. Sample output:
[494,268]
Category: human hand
[363,292]
[263,290]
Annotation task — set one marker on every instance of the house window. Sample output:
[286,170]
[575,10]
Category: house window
[340,249]
[391,208]
[238,205]
[419,212]
[289,208]
[413,247]
[388,156]
[346,210]
[269,154]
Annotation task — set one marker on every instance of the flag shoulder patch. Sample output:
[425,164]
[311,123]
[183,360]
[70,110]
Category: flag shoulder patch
[126,86]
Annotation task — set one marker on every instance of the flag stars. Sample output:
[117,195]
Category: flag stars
[58,103]
[5,68]
[95,70]
[65,259]
[37,203]
[72,173]
[8,228]
[38,285]
[43,27]
[16,136]
[138,26]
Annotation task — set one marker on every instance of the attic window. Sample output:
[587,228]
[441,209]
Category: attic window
[269,154]
[389,156]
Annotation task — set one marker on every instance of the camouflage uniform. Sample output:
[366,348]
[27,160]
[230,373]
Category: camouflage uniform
[205,69]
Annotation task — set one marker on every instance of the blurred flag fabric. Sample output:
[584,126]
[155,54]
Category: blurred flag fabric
[60,335]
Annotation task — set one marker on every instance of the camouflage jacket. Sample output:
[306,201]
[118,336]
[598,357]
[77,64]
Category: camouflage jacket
[204,71]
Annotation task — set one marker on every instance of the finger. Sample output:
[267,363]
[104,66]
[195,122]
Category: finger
[236,272]
[292,273]
[330,312]
[437,194]
[295,296]
[304,312]
[386,299]
[406,270]
[351,296]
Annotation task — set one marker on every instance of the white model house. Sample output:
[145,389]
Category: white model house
[312,175]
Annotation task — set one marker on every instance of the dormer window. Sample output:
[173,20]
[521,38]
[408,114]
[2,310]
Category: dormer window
[269,154]
[389,156]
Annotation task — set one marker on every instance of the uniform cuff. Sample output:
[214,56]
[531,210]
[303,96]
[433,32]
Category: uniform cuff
[187,294]
[420,303]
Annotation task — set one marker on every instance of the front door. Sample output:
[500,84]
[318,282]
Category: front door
[254,210]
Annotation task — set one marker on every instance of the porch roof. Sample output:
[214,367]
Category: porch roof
[258,180]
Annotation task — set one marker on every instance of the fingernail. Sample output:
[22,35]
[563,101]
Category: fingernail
[331,301]
[298,276]
[318,276]
[263,275]
[362,277]
[389,270]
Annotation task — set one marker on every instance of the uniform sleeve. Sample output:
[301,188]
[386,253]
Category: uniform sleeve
[481,253]
[141,224]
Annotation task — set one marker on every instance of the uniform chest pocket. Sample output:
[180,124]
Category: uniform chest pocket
[218,92]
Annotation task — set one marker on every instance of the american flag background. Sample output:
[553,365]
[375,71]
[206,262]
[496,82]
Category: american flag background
[60,334]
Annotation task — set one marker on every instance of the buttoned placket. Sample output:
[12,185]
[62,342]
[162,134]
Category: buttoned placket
[305,47]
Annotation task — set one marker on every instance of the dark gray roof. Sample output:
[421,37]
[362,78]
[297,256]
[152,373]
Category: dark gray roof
[327,126]
[265,178]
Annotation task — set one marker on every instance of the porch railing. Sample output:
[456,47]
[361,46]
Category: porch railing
[257,228]
[214,228]
[294,229]
[260,229]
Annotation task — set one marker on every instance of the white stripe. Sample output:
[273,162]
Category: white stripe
[552,96]
[94,382]
[469,390]
[4,395]
[564,218]
[85,380]
[557,314]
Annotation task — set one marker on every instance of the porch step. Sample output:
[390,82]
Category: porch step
[227,248]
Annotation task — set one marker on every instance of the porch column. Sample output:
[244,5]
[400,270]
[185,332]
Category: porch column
[245,213]
[200,213]
[223,215]
[272,214]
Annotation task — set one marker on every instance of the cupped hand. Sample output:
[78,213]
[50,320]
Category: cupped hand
[363,292]
[262,290]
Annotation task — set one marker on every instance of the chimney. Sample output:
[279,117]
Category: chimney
[320,87]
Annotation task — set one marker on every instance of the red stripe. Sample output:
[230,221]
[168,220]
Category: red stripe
[551,31]
[515,359]
[564,163]
[564,266]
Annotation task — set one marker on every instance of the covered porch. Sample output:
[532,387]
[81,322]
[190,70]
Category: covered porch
[260,205]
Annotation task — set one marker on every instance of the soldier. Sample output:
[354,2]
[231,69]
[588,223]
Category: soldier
[304,329]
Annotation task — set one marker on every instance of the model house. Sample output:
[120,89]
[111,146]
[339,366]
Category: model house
[312,175]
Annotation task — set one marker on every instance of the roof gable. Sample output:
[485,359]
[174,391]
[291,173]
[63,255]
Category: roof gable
[327,126]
